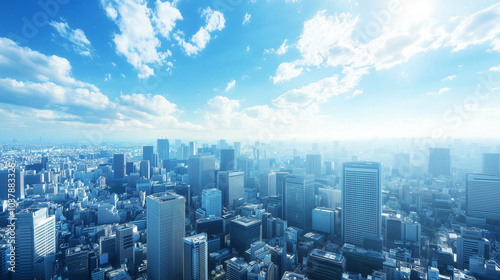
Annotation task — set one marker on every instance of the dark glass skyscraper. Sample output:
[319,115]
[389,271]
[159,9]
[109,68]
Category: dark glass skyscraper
[226,159]
[201,171]
[299,200]
[162,147]
[147,153]
[119,165]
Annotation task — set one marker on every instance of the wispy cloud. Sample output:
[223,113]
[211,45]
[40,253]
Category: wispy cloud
[230,85]
[76,36]
[449,78]
[440,91]
[246,18]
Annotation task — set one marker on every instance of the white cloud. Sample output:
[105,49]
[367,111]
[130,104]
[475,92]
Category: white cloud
[230,85]
[449,78]
[76,36]
[246,18]
[248,48]
[280,51]
[220,111]
[495,69]
[214,22]
[286,71]
[440,91]
[478,28]
[107,77]
[165,18]
[137,39]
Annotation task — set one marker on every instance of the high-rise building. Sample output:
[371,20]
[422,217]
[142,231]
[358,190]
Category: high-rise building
[192,148]
[439,162]
[5,175]
[226,159]
[323,220]
[299,200]
[211,201]
[236,269]
[124,242]
[267,184]
[147,153]
[471,243]
[201,171]
[145,169]
[313,165]
[163,148]
[361,201]
[35,239]
[165,224]
[232,185]
[77,263]
[4,250]
[325,265]
[196,257]
[483,196]
[237,149]
[119,165]
[245,231]
[491,163]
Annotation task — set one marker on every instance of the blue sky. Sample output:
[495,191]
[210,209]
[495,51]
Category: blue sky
[265,70]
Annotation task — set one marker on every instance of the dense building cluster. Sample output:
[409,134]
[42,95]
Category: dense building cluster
[250,211]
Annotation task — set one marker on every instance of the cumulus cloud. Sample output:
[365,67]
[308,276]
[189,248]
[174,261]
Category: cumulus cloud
[76,36]
[215,21]
[138,26]
[44,84]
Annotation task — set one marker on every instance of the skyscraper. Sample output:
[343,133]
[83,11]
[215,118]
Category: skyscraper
[226,159]
[145,169]
[313,165]
[232,185]
[483,196]
[244,232]
[163,149]
[267,184]
[325,265]
[165,224]
[119,165]
[299,200]
[237,149]
[4,183]
[211,201]
[201,171]
[147,153]
[361,201]
[491,163]
[196,257]
[35,239]
[124,242]
[439,162]
[192,148]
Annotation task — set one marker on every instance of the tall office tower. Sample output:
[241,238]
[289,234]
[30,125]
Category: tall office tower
[471,243]
[107,250]
[313,165]
[130,168]
[165,224]
[155,161]
[196,257]
[223,144]
[45,162]
[236,269]
[211,201]
[5,175]
[361,201]
[401,165]
[35,239]
[4,250]
[201,171]
[145,169]
[439,162]
[163,148]
[226,159]
[237,149]
[268,184]
[192,148]
[483,196]
[124,242]
[232,185]
[119,165]
[147,153]
[77,263]
[299,201]
[278,257]
[245,164]
[491,163]
[280,183]
[323,220]
[392,231]
[245,231]
[325,265]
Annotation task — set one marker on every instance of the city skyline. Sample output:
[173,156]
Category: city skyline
[74,70]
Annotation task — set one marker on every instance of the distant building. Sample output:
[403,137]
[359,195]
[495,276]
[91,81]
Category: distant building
[483,196]
[439,162]
[4,183]
[232,185]
[245,231]
[491,163]
[163,148]
[211,201]
[313,165]
[325,265]
[267,184]
[201,169]
[299,201]
[147,153]
[119,165]
[226,159]
[471,243]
